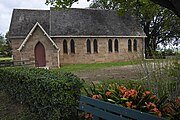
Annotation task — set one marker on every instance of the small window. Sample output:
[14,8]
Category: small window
[110,45]
[129,45]
[135,45]
[88,44]
[72,46]
[95,46]
[65,50]
[116,48]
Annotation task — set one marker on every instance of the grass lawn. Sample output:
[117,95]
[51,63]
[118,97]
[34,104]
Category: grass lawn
[6,59]
[94,66]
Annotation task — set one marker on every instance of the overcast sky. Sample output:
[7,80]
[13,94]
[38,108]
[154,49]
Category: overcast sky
[7,6]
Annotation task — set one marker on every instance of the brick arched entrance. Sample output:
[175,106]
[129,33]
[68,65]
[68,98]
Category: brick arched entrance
[40,56]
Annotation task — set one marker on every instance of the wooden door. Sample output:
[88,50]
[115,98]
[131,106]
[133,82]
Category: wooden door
[40,56]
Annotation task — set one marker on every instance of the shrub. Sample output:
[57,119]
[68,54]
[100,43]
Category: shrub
[136,97]
[172,109]
[51,95]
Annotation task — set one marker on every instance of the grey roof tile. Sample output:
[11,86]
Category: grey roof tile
[74,22]
[92,22]
[23,21]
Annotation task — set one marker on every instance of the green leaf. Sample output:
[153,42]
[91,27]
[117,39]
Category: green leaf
[110,100]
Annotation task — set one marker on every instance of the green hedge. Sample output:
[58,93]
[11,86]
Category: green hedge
[51,95]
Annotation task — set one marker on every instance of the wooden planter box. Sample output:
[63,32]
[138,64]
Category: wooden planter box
[104,110]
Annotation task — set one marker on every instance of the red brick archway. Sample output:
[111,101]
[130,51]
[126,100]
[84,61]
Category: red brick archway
[40,56]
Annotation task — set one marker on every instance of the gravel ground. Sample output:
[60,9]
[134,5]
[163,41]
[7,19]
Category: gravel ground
[123,72]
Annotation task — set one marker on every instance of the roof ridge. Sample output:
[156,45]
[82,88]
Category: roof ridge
[53,8]
[95,9]
[29,9]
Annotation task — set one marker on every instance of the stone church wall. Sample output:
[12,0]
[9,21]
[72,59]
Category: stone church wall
[27,52]
[56,59]
[103,55]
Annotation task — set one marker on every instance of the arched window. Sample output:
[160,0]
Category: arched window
[129,45]
[116,48]
[135,45]
[110,45]
[72,46]
[88,44]
[65,50]
[95,46]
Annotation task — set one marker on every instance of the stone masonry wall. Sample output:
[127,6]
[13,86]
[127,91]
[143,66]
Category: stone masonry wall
[27,52]
[103,55]
[15,43]
[81,55]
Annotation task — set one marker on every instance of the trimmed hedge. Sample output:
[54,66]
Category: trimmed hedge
[51,95]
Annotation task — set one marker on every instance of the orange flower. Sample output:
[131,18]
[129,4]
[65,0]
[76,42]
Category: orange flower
[130,93]
[87,115]
[134,106]
[153,96]
[108,93]
[158,113]
[133,93]
[146,93]
[129,104]
[127,94]
[122,89]
[152,105]
[96,96]
[154,109]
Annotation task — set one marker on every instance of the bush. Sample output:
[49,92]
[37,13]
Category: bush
[51,95]
[134,97]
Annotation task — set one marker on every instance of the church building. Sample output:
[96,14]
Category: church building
[51,38]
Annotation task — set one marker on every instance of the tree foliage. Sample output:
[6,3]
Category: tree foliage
[5,48]
[61,3]
[173,5]
[159,24]
[105,4]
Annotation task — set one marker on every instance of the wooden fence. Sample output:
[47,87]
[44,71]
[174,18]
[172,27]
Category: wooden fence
[106,111]
[15,63]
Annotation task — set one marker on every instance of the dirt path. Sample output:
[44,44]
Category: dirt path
[123,72]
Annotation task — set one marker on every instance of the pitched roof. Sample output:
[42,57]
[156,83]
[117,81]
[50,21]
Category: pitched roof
[23,21]
[75,22]
[92,22]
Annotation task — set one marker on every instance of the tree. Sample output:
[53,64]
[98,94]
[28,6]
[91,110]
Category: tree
[2,42]
[159,24]
[105,4]
[5,48]
[173,5]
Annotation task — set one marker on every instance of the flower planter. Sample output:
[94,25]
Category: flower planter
[104,110]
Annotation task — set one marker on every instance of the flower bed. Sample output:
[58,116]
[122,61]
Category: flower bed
[136,98]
